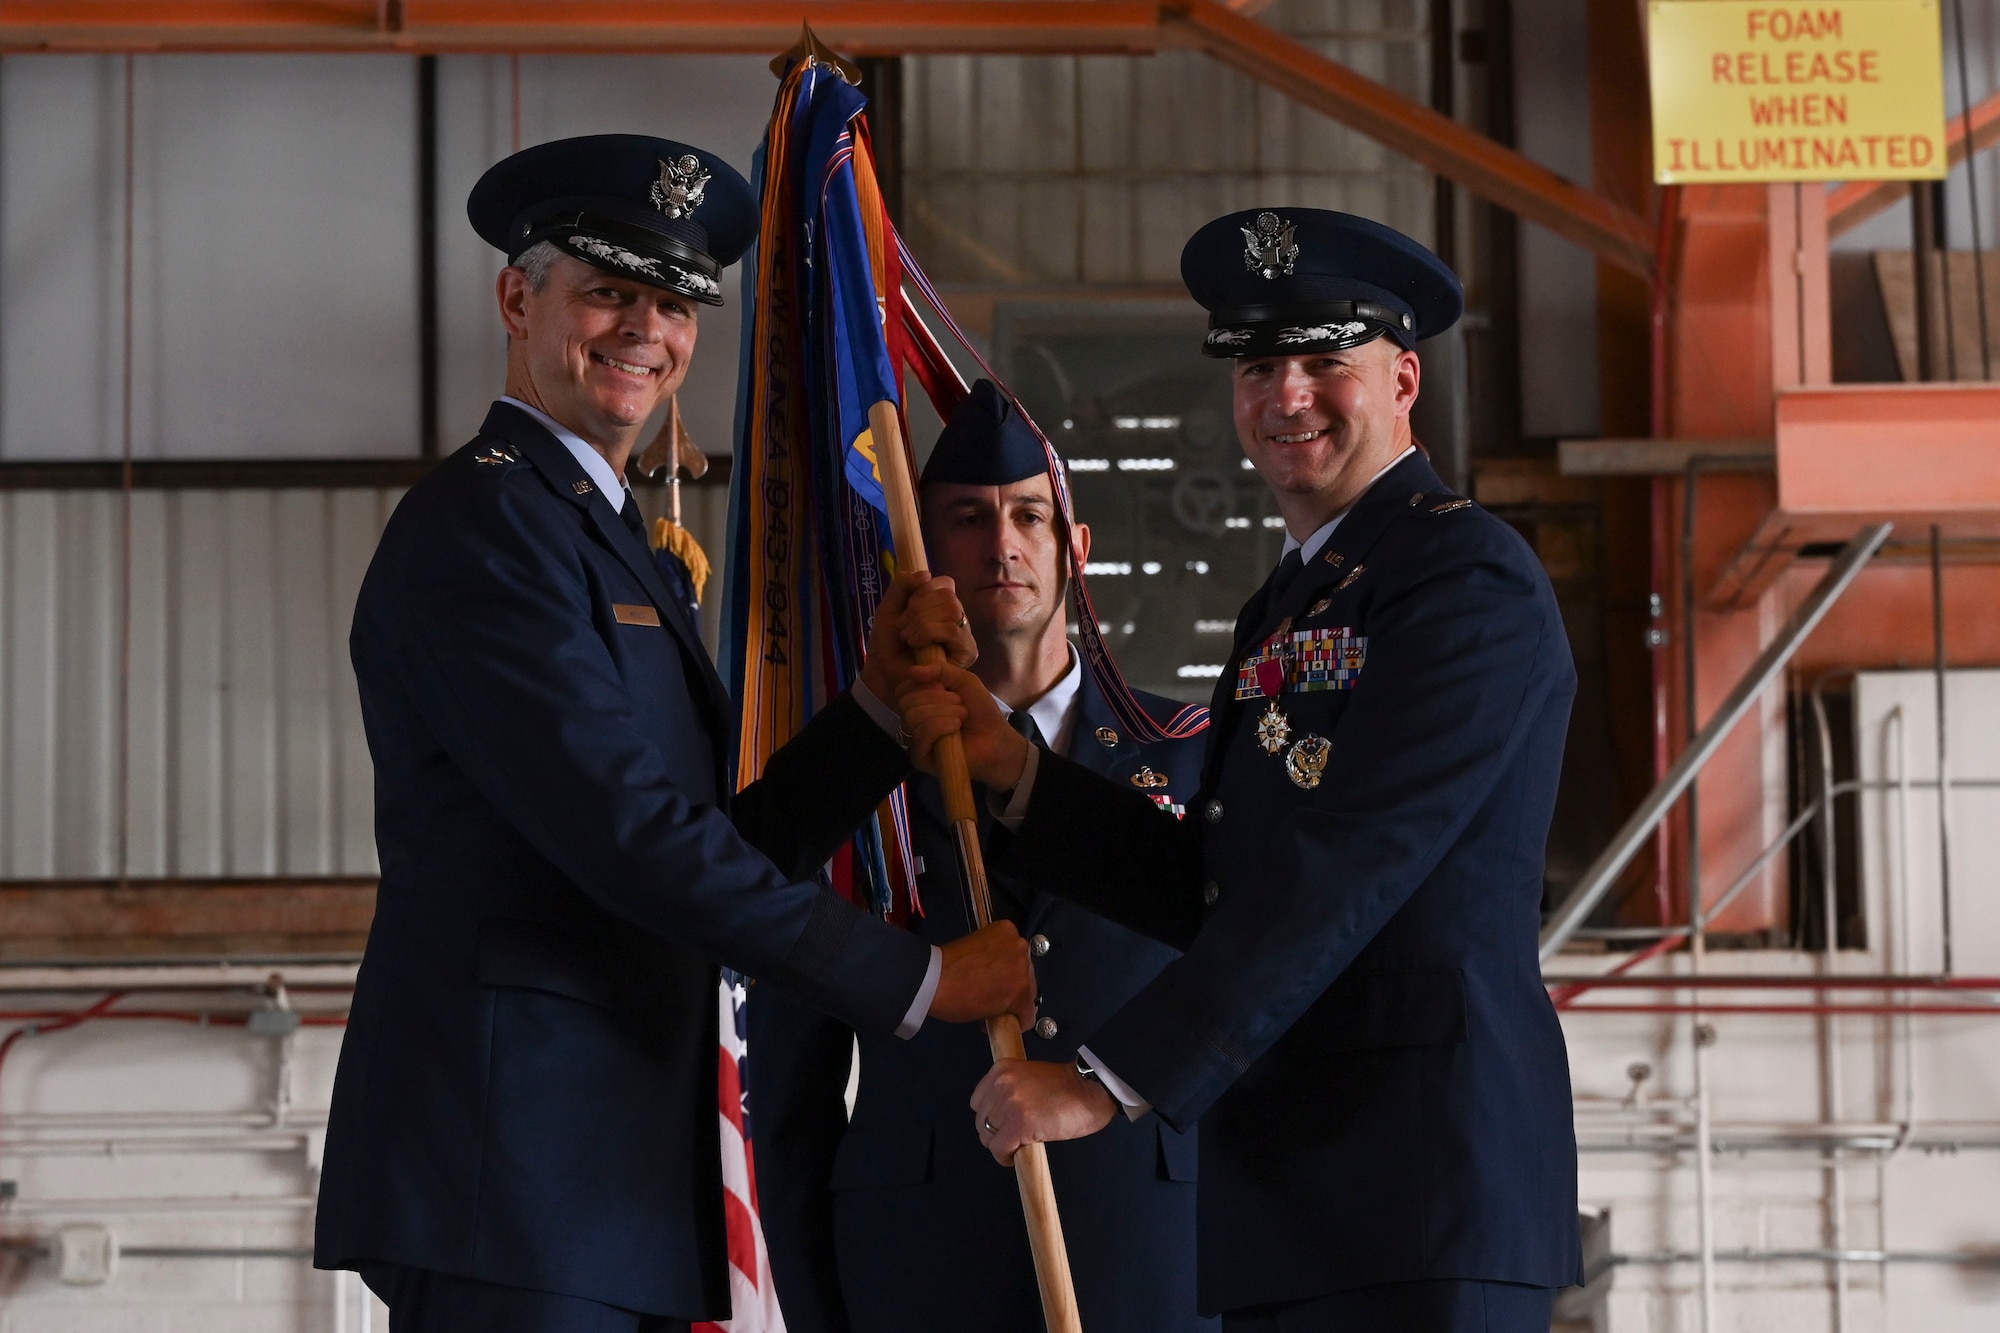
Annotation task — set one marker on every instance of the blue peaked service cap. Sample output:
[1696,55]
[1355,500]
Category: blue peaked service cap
[986,443]
[1286,281]
[664,213]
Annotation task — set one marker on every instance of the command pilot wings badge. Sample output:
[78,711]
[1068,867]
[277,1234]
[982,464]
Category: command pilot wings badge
[678,191]
[1268,248]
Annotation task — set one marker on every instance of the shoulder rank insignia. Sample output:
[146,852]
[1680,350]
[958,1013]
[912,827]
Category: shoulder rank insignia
[1449,505]
[1273,729]
[1307,761]
[496,455]
[1106,736]
[1352,575]
[1147,779]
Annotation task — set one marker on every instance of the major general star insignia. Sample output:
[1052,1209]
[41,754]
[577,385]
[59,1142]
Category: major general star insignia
[496,455]
[1146,778]
[1449,505]
[1352,575]
[1273,729]
[1307,761]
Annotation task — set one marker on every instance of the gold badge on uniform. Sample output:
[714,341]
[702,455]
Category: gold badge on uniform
[1352,575]
[1307,761]
[1147,778]
[1273,729]
[1319,606]
[1107,736]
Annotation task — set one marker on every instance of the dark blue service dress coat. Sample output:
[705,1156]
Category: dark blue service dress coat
[527,1091]
[1358,1021]
[900,1220]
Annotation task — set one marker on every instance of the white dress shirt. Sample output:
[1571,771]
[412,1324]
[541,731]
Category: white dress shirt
[585,454]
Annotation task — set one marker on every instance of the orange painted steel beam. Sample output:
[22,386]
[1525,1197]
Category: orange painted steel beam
[1850,205]
[857,27]
[1849,455]
[1436,141]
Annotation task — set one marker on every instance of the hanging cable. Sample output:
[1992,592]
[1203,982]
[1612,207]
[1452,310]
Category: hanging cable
[1972,194]
[124,813]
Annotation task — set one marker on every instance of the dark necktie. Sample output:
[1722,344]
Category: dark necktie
[628,513]
[1023,721]
[1288,573]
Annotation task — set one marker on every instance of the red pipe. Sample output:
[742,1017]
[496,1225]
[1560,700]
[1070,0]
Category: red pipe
[1884,983]
[1969,1010]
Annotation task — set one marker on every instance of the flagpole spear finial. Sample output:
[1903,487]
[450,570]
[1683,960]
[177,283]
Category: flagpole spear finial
[810,47]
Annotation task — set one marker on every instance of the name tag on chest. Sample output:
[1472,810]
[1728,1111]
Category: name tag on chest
[628,614]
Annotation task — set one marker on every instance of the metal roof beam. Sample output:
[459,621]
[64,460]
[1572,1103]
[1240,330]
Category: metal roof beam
[1454,151]
[859,27]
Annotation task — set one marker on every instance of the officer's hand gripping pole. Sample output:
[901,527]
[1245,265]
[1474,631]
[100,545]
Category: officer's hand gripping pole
[1031,1162]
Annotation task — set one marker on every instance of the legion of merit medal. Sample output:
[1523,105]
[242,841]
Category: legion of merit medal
[1273,729]
[1307,761]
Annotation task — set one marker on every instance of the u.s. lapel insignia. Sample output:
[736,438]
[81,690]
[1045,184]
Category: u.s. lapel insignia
[1273,729]
[1334,558]
[1352,575]
[494,455]
[1106,736]
[1306,762]
[1146,779]
[582,487]
[1319,606]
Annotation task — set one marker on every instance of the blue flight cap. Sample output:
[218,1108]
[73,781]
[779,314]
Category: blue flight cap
[987,442]
[662,212]
[1284,281]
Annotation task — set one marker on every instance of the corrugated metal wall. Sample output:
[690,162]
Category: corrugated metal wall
[1034,170]
[245,753]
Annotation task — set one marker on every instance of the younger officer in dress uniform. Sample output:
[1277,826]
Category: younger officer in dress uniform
[523,1132]
[899,1220]
[1358,1020]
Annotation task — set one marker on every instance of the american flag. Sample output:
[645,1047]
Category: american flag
[753,1302]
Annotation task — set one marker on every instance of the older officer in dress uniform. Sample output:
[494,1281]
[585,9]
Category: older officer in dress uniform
[898,1219]
[1358,1020]
[523,1135]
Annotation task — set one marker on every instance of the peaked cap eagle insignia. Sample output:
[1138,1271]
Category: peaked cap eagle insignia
[678,191]
[1268,248]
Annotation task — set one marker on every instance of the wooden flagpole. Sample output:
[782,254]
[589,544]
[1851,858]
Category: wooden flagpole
[1031,1163]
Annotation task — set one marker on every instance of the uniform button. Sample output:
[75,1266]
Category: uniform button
[1040,944]
[1210,892]
[1212,812]
[1046,1029]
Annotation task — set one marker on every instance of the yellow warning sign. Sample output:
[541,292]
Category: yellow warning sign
[1746,91]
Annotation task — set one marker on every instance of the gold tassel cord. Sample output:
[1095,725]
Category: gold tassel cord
[672,537]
